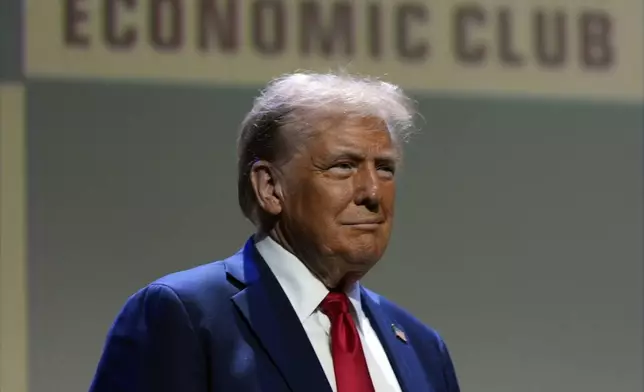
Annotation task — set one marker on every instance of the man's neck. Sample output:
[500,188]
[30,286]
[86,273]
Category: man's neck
[320,267]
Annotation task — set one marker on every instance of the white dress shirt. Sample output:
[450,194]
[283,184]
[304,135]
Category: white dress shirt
[306,292]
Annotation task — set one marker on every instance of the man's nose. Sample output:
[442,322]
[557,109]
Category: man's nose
[367,188]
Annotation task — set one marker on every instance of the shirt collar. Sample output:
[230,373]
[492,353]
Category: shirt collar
[303,289]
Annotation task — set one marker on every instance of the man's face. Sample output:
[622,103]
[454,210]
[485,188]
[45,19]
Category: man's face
[339,196]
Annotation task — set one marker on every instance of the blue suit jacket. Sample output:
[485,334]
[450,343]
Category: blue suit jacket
[227,326]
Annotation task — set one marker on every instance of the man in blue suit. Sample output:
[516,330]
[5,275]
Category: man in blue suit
[317,160]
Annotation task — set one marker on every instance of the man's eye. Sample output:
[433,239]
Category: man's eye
[389,170]
[342,168]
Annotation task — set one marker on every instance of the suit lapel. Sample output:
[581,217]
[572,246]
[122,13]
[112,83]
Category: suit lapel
[272,318]
[399,348]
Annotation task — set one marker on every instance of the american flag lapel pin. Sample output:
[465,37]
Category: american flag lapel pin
[399,333]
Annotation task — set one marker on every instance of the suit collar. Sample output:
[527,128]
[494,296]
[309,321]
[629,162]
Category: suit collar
[303,289]
[264,305]
[239,269]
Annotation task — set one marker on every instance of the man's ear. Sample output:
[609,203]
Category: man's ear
[266,185]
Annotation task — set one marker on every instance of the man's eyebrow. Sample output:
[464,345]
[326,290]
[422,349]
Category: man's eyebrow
[390,157]
[386,157]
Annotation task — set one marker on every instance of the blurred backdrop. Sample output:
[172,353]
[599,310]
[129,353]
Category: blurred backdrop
[519,228]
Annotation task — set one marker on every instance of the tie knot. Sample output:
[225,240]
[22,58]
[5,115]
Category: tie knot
[335,304]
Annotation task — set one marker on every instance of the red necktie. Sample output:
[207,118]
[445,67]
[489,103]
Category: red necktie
[351,372]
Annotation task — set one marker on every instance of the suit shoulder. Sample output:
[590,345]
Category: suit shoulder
[201,290]
[194,279]
[203,283]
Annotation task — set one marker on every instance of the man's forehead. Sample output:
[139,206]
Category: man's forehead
[348,121]
[357,138]
[362,138]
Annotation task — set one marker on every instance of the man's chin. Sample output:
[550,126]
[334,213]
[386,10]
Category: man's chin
[363,258]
